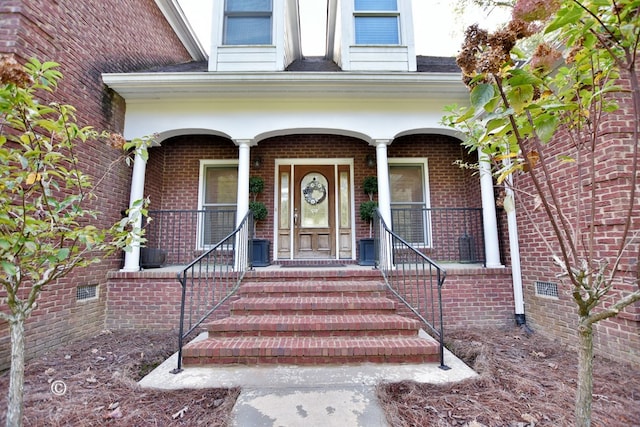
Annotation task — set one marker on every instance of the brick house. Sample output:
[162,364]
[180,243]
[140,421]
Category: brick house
[313,129]
[87,39]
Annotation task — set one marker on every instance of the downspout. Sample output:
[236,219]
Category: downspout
[514,249]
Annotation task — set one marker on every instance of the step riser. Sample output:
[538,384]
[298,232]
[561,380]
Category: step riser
[312,360]
[307,311]
[353,333]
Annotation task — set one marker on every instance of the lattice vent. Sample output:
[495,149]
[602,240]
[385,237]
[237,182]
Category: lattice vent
[547,289]
[87,292]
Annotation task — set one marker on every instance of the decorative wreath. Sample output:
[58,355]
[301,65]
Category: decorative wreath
[310,189]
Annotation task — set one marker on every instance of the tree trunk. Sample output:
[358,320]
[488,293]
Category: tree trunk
[584,394]
[16,376]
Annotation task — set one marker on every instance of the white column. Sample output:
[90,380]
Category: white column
[384,201]
[243,179]
[132,257]
[491,243]
[384,189]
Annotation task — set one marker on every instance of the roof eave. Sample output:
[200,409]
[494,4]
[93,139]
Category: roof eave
[134,86]
[178,21]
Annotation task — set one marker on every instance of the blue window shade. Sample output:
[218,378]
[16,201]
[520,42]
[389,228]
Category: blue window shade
[377,30]
[376,5]
[247,30]
[248,6]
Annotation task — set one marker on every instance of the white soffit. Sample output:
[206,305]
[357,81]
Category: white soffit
[145,86]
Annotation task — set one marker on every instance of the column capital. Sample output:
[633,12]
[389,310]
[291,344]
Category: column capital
[380,141]
[249,142]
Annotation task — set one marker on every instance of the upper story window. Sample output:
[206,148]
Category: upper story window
[377,22]
[247,22]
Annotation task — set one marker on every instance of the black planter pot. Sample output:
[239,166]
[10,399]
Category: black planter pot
[260,253]
[367,252]
[152,257]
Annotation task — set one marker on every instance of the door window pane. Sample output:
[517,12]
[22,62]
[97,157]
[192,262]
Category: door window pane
[314,204]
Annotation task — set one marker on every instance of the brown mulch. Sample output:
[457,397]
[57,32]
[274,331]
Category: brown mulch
[101,374]
[524,380]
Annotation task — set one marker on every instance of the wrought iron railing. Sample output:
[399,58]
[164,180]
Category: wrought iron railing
[443,234]
[185,234]
[413,277]
[212,278]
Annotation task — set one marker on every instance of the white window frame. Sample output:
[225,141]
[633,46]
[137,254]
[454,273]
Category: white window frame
[204,164]
[247,14]
[424,164]
[377,14]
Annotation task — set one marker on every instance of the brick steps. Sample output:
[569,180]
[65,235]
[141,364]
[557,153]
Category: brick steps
[306,350]
[315,305]
[312,320]
[314,325]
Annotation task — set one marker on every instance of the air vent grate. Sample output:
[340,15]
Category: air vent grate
[88,292]
[547,289]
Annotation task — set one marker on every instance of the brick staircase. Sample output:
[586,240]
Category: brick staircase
[312,317]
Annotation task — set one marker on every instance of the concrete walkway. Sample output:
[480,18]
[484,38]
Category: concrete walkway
[309,396]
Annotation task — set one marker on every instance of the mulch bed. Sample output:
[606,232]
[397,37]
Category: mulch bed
[101,374]
[525,380]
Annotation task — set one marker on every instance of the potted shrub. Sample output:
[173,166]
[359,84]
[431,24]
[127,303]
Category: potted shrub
[260,247]
[367,213]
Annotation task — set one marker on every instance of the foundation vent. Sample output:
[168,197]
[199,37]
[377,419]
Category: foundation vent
[547,289]
[88,292]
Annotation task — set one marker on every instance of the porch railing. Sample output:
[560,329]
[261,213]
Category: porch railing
[443,234]
[413,277]
[179,233]
[212,278]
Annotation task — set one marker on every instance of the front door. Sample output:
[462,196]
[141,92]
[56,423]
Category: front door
[314,211]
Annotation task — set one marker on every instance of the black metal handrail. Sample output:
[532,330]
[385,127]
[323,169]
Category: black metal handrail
[212,278]
[443,234]
[413,277]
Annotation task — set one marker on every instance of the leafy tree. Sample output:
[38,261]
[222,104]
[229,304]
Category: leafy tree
[46,228]
[548,119]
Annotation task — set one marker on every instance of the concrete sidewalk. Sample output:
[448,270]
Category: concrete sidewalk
[310,396]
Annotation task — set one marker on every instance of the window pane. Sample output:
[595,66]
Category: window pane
[408,214]
[221,186]
[377,30]
[406,184]
[376,5]
[248,30]
[248,6]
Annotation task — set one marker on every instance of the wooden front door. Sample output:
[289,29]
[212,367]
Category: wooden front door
[314,212]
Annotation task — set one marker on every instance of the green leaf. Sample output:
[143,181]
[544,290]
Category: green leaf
[565,16]
[9,268]
[546,126]
[481,95]
[62,254]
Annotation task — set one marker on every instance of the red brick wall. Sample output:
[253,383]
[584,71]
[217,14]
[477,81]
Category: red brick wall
[619,338]
[86,38]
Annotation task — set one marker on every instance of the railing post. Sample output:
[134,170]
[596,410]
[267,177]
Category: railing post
[183,282]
